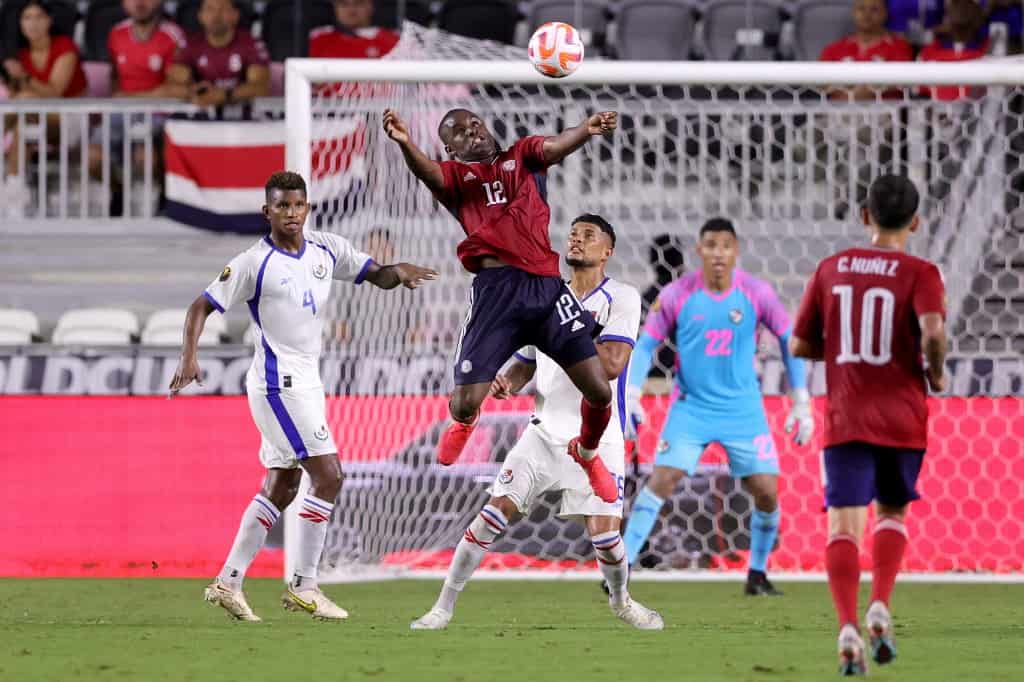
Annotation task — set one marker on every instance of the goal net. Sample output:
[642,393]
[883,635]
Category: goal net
[775,148]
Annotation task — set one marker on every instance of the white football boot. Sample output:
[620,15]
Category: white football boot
[434,619]
[879,625]
[636,614]
[314,602]
[232,601]
[851,652]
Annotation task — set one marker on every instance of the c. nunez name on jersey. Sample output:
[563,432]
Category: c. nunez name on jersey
[860,265]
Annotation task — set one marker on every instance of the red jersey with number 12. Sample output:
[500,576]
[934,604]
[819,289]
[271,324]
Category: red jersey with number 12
[502,206]
[862,305]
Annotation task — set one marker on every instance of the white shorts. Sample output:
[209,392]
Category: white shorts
[293,424]
[537,464]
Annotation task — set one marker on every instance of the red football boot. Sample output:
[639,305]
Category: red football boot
[453,440]
[601,479]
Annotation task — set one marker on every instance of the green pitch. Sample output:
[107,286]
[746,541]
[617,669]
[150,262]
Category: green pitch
[162,630]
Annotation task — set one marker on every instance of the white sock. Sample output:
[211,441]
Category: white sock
[611,557]
[586,453]
[314,514]
[488,525]
[259,517]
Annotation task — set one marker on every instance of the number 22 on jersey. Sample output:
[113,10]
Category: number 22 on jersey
[878,304]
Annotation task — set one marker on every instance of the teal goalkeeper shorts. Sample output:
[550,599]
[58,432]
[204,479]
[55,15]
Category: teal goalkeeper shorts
[750,447]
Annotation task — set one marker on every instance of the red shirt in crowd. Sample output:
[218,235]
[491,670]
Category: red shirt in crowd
[862,306]
[948,51]
[363,43]
[503,208]
[891,48]
[224,67]
[59,46]
[142,66]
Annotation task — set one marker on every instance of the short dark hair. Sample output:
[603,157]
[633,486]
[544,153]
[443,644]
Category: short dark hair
[451,112]
[718,225]
[892,201]
[595,219]
[285,181]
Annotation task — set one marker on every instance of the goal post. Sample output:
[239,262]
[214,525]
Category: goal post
[762,143]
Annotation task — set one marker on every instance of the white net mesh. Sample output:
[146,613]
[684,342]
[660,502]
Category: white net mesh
[790,166]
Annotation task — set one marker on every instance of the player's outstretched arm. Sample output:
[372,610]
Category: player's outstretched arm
[566,142]
[933,345]
[390,276]
[423,167]
[188,366]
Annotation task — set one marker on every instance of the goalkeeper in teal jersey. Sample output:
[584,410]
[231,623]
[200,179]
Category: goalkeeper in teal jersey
[714,315]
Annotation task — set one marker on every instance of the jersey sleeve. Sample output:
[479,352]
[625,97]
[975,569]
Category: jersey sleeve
[449,194]
[527,354]
[185,55]
[929,292]
[771,313]
[531,150]
[810,318]
[236,283]
[256,52]
[624,321]
[831,52]
[350,264]
[661,319]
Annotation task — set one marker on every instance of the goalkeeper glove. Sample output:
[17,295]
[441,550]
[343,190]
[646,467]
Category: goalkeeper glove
[801,417]
[635,415]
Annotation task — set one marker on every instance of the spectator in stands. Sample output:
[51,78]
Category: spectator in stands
[904,15]
[961,36]
[871,41]
[223,67]
[667,261]
[1011,13]
[142,49]
[47,65]
[353,36]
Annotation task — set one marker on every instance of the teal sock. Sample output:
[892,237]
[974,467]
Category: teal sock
[764,528]
[646,508]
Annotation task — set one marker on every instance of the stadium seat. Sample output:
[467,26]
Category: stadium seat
[816,23]
[65,16]
[164,328]
[187,15]
[745,30]
[655,29]
[17,327]
[98,76]
[280,31]
[481,19]
[96,326]
[385,13]
[100,17]
[592,21]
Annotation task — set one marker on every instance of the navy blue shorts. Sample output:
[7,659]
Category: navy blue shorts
[510,308]
[856,473]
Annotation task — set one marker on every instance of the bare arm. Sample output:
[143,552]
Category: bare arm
[179,74]
[188,366]
[511,382]
[805,349]
[614,355]
[566,142]
[60,78]
[390,276]
[257,84]
[426,169]
[933,345]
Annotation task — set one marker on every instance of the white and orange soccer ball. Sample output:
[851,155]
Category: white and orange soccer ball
[556,49]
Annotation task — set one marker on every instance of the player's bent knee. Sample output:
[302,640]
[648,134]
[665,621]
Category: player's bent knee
[600,394]
[464,403]
[664,480]
[506,505]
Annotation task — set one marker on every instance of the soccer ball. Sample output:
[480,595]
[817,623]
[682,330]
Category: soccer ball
[555,49]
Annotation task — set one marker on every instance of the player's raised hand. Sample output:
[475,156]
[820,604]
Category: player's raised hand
[394,127]
[187,372]
[800,421]
[411,276]
[602,123]
[501,387]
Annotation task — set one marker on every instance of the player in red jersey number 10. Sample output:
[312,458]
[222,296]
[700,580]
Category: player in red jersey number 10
[871,313]
[518,297]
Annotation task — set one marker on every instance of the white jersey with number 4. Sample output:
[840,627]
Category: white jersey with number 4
[286,294]
[616,309]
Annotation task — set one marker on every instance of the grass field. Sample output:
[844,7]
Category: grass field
[535,631]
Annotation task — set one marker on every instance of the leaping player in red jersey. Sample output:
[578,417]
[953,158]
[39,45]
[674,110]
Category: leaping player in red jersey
[871,313]
[518,297]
